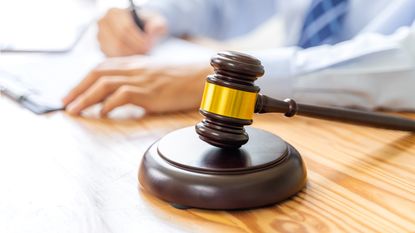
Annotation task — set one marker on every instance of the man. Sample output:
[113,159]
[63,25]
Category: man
[338,52]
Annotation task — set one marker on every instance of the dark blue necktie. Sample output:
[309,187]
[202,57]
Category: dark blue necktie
[323,22]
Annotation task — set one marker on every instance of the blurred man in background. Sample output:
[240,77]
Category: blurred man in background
[351,53]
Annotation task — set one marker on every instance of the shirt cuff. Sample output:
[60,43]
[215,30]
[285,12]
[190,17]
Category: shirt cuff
[278,79]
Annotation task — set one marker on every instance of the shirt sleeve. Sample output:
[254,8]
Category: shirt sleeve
[371,71]
[219,19]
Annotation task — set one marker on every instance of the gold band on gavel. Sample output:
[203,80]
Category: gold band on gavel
[228,102]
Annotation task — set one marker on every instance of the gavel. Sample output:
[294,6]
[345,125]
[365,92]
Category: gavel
[225,170]
[231,98]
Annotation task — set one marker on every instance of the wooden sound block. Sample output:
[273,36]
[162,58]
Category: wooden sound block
[188,172]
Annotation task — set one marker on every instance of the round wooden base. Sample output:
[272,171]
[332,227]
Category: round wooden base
[187,172]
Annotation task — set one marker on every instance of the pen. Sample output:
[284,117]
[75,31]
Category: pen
[136,19]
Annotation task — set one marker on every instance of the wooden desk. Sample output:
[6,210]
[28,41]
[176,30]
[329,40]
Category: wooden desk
[65,174]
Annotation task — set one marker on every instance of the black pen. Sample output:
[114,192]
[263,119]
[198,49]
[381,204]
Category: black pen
[136,19]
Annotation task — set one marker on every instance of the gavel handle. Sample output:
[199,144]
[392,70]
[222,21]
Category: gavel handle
[290,108]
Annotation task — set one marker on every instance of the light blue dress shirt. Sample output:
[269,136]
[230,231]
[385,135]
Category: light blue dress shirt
[373,67]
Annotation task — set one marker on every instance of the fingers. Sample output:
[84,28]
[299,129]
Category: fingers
[124,95]
[118,35]
[110,45]
[110,67]
[122,22]
[114,91]
[81,87]
[157,89]
[97,92]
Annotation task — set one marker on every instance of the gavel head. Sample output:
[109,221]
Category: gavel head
[229,99]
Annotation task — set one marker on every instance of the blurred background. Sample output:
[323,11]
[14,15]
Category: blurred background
[56,24]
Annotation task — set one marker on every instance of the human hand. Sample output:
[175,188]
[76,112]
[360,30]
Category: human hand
[141,81]
[118,35]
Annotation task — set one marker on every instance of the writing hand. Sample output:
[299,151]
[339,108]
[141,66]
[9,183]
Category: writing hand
[118,35]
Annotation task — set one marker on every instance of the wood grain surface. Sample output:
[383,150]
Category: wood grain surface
[71,174]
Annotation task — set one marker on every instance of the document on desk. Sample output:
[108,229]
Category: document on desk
[39,81]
